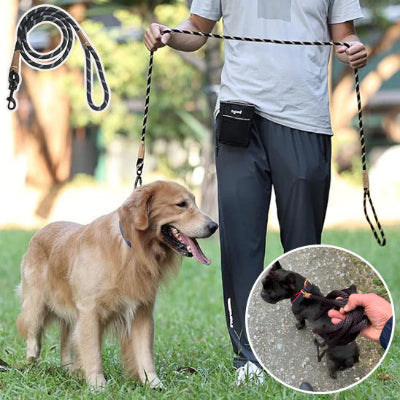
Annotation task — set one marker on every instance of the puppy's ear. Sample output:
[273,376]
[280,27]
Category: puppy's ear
[135,210]
[352,289]
[276,266]
[291,281]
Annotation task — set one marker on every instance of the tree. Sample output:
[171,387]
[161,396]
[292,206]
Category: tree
[384,36]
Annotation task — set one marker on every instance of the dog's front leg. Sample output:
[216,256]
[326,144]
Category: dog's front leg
[137,347]
[88,341]
[301,322]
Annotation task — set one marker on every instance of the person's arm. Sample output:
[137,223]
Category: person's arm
[356,54]
[154,39]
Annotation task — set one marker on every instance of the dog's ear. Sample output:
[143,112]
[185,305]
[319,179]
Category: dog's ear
[276,266]
[135,209]
[291,281]
[352,289]
[140,207]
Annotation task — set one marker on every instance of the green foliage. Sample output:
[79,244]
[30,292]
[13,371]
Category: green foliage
[377,17]
[176,87]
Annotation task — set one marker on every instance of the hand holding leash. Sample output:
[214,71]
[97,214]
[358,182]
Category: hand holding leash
[376,308]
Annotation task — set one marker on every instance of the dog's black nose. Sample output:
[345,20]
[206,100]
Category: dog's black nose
[212,226]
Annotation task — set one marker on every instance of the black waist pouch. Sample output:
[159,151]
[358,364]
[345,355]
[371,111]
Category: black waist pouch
[235,123]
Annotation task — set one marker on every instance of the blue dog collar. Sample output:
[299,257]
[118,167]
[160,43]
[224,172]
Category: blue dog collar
[123,236]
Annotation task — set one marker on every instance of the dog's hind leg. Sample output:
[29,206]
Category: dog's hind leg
[137,348]
[30,324]
[66,345]
[318,344]
[34,313]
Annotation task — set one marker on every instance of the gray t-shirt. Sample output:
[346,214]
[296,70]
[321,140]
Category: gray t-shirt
[288,84]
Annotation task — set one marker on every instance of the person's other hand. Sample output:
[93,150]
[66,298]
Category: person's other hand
[376,308]
[356,54]
[153,37]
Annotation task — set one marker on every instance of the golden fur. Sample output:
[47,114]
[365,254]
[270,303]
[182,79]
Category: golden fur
[89,278]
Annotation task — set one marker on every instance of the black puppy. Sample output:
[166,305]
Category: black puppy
[281,284]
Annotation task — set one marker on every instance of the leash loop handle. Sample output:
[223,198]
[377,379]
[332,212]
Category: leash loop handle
[380,238]
[367,199]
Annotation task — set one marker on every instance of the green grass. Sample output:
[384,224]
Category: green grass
[190,332]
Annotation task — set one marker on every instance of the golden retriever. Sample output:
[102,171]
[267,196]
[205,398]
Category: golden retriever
[107,273]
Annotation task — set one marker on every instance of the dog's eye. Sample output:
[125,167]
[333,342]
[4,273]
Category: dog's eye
[182,204]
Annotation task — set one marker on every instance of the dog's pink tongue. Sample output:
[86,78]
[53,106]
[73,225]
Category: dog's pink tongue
[196,250]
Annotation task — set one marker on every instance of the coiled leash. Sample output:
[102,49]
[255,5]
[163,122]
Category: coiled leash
[381,240]
[349,328]
[346,330]
[51,60]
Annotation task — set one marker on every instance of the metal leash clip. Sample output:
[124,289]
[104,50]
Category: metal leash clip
[13,80]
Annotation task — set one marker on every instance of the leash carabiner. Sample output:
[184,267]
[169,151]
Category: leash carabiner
[13,80]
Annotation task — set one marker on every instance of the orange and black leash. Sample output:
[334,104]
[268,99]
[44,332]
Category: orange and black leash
[378,230]
[68,25]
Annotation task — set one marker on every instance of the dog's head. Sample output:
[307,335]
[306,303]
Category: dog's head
[167,211]
[278,284]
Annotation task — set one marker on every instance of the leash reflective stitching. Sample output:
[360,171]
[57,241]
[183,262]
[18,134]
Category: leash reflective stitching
[366,194]
[51,60]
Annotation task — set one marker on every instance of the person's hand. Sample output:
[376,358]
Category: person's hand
[356,54]
[376,308]
[153,37]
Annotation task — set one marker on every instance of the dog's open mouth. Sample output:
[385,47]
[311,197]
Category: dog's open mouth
[183,244]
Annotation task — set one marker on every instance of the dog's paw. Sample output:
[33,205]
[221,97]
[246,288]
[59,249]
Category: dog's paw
[25,364]
[300,325]
[156,384]
[96,382]
[75,370]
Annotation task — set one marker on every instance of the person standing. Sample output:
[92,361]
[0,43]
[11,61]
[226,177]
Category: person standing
[273,130]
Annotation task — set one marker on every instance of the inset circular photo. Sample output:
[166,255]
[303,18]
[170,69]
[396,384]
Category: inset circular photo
[298,328]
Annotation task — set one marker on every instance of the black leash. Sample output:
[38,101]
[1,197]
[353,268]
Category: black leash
[51,60]
[349,328]
[346,330]
[381,240]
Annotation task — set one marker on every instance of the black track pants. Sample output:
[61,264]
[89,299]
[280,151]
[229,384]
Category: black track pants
[297,164]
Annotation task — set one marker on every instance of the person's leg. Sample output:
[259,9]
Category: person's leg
[244,191]
[300,169]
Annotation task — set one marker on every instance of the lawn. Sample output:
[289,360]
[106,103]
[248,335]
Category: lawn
[190,332]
